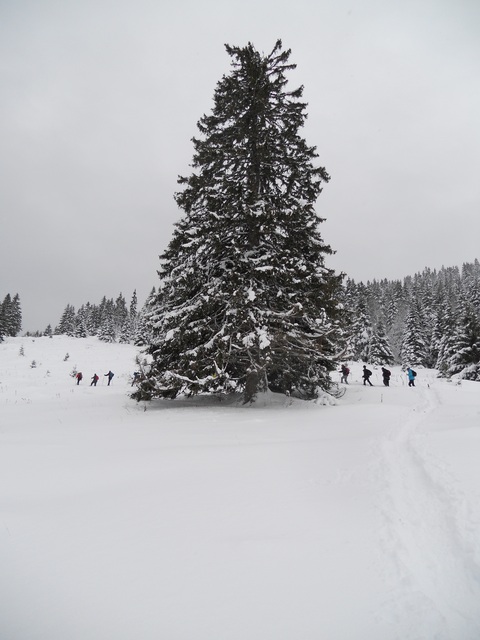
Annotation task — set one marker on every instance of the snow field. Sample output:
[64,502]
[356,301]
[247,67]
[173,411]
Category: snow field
[203,519]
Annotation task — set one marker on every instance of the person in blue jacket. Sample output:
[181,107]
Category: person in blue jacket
[411,377]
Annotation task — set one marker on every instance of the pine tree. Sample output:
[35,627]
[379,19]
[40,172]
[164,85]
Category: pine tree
[133,315]
[81,320]
[465,356]
[247,302]
[10,316]
[16,316]
[361,330]
[126,332]
[120,314]
[447,346]
[67,324]
[144,327]
[94,319]
[5,315]
[107,332]
[414,344]
[107,325]
[380,351]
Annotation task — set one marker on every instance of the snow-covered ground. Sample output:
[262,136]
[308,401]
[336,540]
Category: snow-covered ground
[203,520]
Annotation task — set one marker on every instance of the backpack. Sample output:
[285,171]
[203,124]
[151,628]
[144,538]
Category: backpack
[414,373]
[367,372]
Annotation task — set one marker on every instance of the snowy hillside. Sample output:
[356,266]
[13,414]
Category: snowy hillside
[200,520]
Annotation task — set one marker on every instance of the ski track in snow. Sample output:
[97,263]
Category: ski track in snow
[428,536]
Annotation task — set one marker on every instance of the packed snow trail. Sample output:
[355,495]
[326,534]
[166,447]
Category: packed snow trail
[430,566]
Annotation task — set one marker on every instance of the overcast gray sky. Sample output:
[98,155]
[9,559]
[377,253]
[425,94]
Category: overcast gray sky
[99,101]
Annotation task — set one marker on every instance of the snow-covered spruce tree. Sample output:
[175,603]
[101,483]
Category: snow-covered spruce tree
[6,314]
[11,315]
[120,314]
[126,331]
[133,315]
[144,328]
[465,357]
[361,329]
[380,351]
[16,316]
[67,324]
[129,326]
[106,332]
[414,344]
[246,302]
[81,319]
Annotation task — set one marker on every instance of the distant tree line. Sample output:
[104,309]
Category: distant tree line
[10,316]
[431,319]
[110,321]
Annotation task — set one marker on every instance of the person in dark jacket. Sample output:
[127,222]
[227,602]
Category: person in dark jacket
[110,376]
[366,376]
[94,380]
[386,376]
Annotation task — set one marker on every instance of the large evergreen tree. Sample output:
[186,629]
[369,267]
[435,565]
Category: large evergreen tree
[246,301]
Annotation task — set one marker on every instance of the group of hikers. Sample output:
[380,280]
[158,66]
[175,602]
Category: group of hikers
[386,374]
[95,378]
[345,371]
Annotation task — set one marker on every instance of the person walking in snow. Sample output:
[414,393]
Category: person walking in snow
[366,376]
[94,380]
[386,376]
[411,377]
[110,376]
[79,377]
[345,371]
